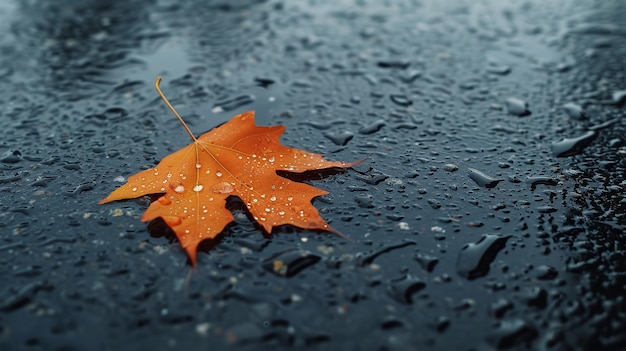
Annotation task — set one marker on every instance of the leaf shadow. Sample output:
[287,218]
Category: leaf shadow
[157,228]
[238,227]
[310,175]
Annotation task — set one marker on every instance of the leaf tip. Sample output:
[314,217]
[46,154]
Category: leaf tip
[335,231]
[192,253]
[355,163]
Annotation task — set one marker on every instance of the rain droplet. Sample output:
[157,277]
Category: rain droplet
[271,159]
[619,96]
[232,103]
[164,200]
[482,179]
[394,64]
[135,189]
[223,188]
[268,210]
[369,258]
[11,156]
[198,165]
[179,189]
[511,333]
[291,262]
[340,138]
[450,167]
[372,127]
[517,107]
[575,111]
[273,198]
[572,146]
[173,221]
[401,100]
[474,259]
[218,173]
[403,289]
[198,187]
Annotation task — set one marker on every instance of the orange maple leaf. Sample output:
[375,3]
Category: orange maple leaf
[238,158]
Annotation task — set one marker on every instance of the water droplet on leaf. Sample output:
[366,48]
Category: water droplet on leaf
[223,188]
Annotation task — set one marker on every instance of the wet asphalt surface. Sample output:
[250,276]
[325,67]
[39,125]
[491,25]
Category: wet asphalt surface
[489,213]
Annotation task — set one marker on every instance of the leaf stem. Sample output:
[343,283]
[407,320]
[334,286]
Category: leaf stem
[156,85]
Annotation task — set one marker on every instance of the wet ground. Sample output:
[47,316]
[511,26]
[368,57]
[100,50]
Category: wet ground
[489,213]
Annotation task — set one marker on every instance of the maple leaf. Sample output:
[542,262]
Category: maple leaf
[237,158]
